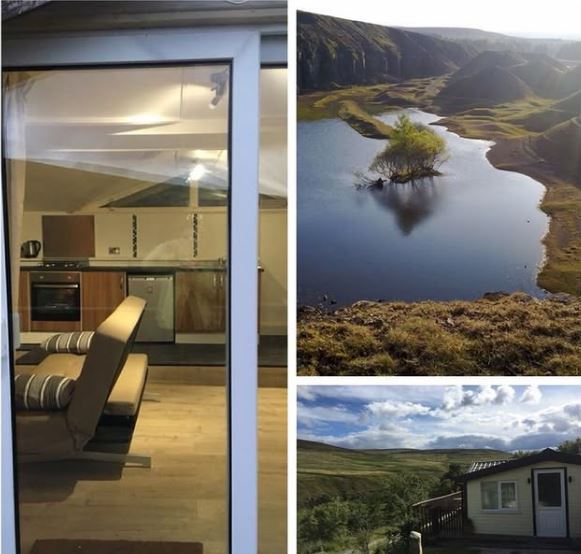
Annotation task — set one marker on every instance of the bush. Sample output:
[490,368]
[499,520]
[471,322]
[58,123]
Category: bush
[414,151]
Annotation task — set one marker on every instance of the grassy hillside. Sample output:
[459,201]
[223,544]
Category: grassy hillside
[510,335]
[334,52]
[325,470]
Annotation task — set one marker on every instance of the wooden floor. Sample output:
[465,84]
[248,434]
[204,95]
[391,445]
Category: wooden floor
[182,496]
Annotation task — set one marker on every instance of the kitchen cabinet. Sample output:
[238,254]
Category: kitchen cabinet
[24,301]
[200,301]
[101,293]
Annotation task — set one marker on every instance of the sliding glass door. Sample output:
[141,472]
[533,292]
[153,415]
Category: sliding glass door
[131,171]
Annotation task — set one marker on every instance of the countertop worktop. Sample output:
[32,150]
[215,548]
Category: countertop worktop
[134,267]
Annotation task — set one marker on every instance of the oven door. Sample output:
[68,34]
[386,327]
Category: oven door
[55,302]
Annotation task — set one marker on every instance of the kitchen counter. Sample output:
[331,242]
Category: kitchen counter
[134,267]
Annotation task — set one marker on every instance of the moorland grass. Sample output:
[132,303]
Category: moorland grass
[324,471]
[511,335]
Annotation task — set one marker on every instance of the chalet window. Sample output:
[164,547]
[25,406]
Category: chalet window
[498,495]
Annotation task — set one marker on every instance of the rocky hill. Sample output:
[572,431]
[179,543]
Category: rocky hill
[489,86]
[561,145]
[334,52]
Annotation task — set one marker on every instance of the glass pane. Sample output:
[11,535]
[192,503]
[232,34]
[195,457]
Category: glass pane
[489,491]
[106,172]
[272,396]
[549,490]
[508,496]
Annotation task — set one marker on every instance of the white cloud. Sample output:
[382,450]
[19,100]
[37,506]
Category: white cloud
[306,393]
[458,396]
[573,410]
[311,416]
[395,409]
[504,395]
[531,395]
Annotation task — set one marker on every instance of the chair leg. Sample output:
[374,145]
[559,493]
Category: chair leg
[133,460]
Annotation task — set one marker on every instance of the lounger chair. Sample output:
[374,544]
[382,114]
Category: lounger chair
[109,387]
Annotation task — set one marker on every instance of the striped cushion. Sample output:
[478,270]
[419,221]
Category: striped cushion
[69,343]
[42,392]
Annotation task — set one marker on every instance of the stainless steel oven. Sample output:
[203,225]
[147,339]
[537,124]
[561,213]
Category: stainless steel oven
[55,296]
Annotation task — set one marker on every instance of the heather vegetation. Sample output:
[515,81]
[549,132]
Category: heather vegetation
[499,335]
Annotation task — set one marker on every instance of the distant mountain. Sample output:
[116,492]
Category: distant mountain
[458,33]
[334,52]
[486,40]
[571,51]
[495,77]
[327,471]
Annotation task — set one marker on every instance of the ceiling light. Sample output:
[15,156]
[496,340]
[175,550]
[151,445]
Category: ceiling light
[197,172]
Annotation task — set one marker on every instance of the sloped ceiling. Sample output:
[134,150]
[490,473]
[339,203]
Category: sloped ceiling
[95,136]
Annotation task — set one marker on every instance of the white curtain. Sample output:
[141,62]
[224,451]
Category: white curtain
[16,85]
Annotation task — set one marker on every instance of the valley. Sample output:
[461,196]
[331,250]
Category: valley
[521,96]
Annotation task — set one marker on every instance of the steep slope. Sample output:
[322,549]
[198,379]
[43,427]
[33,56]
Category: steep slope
[486,60]
[570,82]
[571,51]
[489,86]
[334,52]
[541,73]
[558,112]
[561,145]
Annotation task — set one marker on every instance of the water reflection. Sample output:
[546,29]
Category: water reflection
[412,203]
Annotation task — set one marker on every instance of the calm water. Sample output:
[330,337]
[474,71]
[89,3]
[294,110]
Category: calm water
[472,230]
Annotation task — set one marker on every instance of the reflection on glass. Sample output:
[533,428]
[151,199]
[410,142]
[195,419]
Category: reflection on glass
[117,182]
[273,311]
[549,490]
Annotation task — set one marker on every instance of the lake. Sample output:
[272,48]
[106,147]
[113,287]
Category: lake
[472,230]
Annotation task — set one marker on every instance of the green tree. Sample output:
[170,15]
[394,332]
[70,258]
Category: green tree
[571,447]
[322,524]
[451,481]
[414,151]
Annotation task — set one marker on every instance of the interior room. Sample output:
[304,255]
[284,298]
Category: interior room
[118,202]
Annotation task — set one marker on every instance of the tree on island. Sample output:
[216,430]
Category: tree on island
[414,151]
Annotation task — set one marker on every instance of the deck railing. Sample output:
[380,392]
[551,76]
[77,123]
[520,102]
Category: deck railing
[441,516]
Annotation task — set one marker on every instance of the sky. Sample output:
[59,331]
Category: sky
[500,417]
[532,18]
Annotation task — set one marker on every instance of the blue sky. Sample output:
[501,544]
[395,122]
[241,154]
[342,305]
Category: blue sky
[504,417]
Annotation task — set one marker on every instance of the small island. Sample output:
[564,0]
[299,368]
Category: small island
[414,151]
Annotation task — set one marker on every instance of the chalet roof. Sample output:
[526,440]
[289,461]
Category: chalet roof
[482,469]
[477,466]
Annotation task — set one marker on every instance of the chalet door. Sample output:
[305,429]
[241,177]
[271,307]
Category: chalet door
[550,503]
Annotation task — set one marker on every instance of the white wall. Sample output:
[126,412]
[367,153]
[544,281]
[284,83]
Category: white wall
[520,522]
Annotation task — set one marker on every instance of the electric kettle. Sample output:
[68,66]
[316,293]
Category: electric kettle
[30,249]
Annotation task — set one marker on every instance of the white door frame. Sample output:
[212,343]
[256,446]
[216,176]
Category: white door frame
[564,507]
[241,48]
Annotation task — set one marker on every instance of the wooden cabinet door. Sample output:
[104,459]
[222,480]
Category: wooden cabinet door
[24,300]
[200,302]
[101,293]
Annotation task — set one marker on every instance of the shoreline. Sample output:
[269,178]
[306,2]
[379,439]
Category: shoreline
[562,241]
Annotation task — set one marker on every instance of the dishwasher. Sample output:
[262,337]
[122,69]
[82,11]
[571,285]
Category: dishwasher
[157,323]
